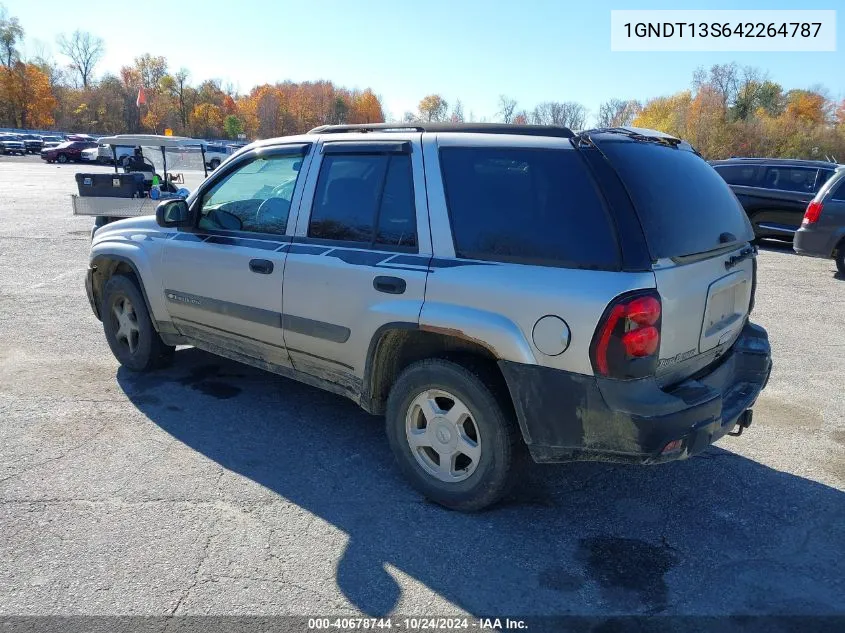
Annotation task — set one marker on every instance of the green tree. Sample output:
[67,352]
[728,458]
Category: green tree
[11,32]
[233,126]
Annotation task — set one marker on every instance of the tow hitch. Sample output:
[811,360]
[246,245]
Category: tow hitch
[742,423]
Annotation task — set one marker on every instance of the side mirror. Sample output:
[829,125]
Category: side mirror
[173,213]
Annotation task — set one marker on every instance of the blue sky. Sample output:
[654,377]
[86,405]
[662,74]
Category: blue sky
[532,50]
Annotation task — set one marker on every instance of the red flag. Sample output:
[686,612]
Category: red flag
[142,98]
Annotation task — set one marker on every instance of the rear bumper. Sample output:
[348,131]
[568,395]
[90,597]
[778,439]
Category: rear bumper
[566,417]
[816,241]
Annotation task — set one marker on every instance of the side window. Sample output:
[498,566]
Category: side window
[367,198]
[800,179]
[839,193]
[256,197]
[532,206]
[824,176]
[743,175]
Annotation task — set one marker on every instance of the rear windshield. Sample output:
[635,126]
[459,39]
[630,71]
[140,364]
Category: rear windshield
[684,206]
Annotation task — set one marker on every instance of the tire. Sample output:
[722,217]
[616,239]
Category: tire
[470,484]
[146,351]
[214,163]
[62,158]
[840,258]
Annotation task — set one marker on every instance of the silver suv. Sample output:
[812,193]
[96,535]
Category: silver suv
[489,289]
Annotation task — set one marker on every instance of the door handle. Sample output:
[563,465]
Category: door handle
[390,285]
[261,266]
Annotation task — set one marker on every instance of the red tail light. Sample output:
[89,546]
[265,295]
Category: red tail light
[814,210]
[627,338]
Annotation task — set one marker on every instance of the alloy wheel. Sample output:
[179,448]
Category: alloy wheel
[443,436]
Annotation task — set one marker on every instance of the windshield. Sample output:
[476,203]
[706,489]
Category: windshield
[684,206]
[184,160]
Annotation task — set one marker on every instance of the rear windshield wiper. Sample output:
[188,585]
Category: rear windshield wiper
[668,141]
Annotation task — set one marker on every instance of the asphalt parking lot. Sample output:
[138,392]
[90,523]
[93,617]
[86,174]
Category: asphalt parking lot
[214,488]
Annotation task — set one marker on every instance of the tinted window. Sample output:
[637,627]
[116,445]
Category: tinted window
[531,206]
[684,206]
[357,192]
[397,223]
[255,197]
[824,176]
[801,179]
[839,193]
[738,174]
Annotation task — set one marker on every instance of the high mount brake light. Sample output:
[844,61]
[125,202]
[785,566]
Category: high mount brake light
[627,338]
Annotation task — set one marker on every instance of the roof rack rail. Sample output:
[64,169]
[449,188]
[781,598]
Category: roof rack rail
[469,128]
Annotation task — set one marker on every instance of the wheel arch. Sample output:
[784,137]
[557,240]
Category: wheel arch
[395,346]
[104,267]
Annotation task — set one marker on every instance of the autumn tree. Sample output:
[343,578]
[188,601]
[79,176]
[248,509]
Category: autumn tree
[149,70]
[206,121]
[26,92]
[433,108]
[84,51]
[667,114]
[520,118]
[366,108]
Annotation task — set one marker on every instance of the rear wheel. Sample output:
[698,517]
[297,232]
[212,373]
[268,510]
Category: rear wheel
[452,434]
[214,164]
[62,158]
[129,330]
[840,258]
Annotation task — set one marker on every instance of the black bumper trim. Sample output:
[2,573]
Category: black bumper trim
[565,416]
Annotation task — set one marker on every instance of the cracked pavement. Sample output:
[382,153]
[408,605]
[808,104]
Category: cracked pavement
[215,488]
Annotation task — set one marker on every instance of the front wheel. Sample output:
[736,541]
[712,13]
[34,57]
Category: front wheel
[129,330]
[214,164]
[453,434]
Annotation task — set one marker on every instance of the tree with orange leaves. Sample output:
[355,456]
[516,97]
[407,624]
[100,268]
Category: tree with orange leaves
[206,121]
[25,90]
[366,108]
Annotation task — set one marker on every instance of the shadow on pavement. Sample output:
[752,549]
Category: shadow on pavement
[718,534]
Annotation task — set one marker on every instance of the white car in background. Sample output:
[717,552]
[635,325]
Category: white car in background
[90,155]
[216,153]
[105,156]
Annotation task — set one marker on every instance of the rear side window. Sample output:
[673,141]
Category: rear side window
[839,191]
[800,179]
[529,206]
[744,175]
[367,198]
[684,206]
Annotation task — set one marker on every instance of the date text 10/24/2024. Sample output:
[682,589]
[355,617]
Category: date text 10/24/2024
[416,624]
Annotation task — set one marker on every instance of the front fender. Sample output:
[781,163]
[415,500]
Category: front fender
[497,333]
[142,261]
